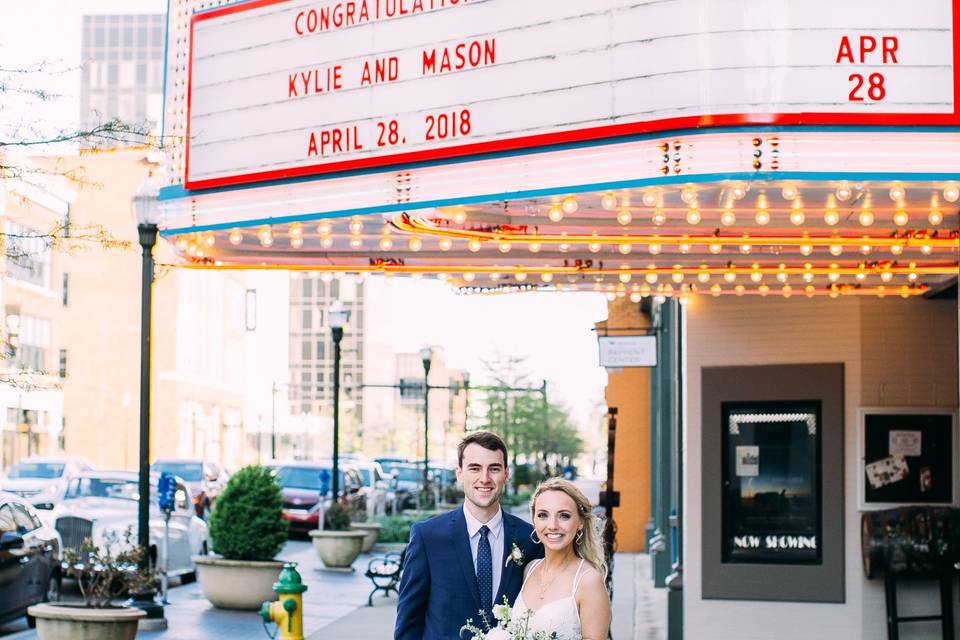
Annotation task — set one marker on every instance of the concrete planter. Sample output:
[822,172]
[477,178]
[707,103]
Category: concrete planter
[371,531]
[64,622]
[338,549]
[237,584]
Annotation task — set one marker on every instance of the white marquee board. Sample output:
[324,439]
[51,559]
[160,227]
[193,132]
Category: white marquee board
[285,88]
[618,352]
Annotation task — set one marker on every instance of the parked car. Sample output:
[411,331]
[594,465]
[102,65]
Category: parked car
[406,478]
[100,502]
[42,481]
[29,559]
[204,478]
[307,490]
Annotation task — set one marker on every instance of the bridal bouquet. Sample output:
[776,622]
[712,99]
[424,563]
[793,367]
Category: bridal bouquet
[506,628]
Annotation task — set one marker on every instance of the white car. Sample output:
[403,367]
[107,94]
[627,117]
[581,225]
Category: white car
[101,502]
[42,481]
[377,485]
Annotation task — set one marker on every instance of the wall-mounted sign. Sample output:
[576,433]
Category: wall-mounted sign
[284,88]
[618,352]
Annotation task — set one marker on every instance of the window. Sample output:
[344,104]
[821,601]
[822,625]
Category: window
[65,296]
[306,350]
[63,363]
[28,255]
[66,222]
[22,519]
[307,319]
[321,349]
[34,341]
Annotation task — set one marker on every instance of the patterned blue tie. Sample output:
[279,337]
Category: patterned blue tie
[485,570]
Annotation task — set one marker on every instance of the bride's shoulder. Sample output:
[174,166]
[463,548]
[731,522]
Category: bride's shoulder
[591,580]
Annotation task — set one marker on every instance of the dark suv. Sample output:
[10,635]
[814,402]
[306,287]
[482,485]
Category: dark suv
[29,559]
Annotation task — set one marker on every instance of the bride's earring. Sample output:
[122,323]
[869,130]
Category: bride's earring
[535,540]
[579,536]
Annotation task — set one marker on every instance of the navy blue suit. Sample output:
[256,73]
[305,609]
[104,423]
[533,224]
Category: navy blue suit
[438,590]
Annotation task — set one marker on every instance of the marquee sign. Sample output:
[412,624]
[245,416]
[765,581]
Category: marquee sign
[286,88]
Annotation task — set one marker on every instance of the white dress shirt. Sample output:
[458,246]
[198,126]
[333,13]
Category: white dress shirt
[495,538]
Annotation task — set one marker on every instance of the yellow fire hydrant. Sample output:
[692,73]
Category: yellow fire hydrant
[287,612]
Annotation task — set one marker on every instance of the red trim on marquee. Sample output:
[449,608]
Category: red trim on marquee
[565,137]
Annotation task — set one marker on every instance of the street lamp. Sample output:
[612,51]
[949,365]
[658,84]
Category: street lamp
[337,316]
[426,353]
[147,211]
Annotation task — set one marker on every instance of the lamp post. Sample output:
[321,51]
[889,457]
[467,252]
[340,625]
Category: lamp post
[147,214]
[426,354]
[337,316]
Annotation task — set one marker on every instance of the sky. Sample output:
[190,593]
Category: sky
[551,331]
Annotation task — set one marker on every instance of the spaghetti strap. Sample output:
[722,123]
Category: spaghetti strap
[533,567]
[576,578]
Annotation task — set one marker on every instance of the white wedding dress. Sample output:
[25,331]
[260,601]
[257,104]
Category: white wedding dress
[558,616]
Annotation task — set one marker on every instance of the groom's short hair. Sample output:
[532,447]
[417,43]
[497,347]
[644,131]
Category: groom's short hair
[485,439]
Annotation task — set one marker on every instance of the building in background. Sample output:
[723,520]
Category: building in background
[122,58]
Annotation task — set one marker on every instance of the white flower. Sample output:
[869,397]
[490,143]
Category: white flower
[516,556]
[501,612]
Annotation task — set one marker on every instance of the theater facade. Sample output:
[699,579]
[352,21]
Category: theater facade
[772,187]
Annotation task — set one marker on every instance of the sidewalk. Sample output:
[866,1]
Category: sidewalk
[639,610]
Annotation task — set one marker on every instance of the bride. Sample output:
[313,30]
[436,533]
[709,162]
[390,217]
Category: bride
[564,594]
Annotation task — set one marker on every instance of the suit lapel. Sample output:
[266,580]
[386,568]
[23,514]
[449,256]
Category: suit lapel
[509,536]
[461,539]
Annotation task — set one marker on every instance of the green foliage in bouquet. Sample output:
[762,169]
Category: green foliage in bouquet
[247,520]
[506,627]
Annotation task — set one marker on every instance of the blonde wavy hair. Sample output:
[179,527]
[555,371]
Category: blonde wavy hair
[590,546]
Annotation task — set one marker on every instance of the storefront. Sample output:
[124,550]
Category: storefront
[779,180]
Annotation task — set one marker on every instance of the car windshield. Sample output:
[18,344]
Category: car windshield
[103,488]
[188,471]
[303,477]
[408,474]
[42,470]
[367,475]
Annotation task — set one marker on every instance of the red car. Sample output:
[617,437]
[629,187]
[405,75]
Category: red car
[301,484]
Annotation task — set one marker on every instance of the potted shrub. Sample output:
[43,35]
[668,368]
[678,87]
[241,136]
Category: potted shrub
[104,575]
[247,531]
[337,544]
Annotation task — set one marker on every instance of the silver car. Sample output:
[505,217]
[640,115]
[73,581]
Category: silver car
[102,503]
[42,481]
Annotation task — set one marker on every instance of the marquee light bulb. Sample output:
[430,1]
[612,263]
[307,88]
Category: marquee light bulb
[611,296]
[782,276]
[460,216]
[926,249]
[494,276]
[844,192]
[651,278]
[951,193]
[650,198]
[809,290]
[659,218]
[296,242]
[716,290]
[896,249]
[808,277]
[625,217]
[505,247]
[738,191]
[715,247]
[445,244]
[745,248]
[654,248]
[326,242]
[756,277]
[763,289]
[787,291]
[386,243]
[866,217]
[728,218]
[594,247]
[897,193]
[265,235]
[806,249]
[677,276]
[693,215]
[521,277]
[625,277]
[688,194]
[900,217]
[860,276]
[296,230]
[729,276]
[704,275]
[625,248]
[834,293]
[608,201]
[836,249]
[546,277]
[797,217]
[739,289]
[415,244]
[762,217]
[474,245]
[789,192]
[831,217]
[469,277]
[324,228]
[356,243]
[209,240]
[356,226]
[555,213]
[935,217]
[866,249]
[236,237]
[569,205]
[636,297]
[886,276]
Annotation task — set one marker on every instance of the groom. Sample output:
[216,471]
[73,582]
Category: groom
[463,562]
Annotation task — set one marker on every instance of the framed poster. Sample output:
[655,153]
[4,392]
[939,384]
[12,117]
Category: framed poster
[772,482]
[907,456]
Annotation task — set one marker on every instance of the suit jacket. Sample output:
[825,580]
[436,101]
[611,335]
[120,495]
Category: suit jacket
[438,589]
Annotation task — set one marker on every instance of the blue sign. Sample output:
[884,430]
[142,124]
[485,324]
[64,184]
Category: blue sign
[166,491]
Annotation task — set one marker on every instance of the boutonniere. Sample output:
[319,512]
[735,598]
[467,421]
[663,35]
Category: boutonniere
[515,556]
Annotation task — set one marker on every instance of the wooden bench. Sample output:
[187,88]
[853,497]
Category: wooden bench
[384,572]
